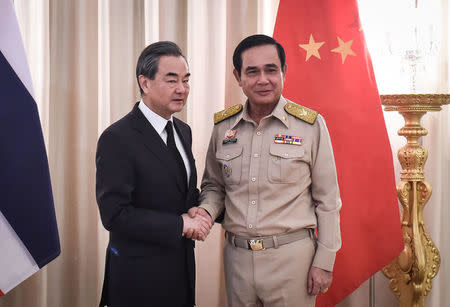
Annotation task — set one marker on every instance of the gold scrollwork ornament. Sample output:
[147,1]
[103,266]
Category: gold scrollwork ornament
[412,271]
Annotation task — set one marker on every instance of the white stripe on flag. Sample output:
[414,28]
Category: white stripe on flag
[11,44]
[16,263]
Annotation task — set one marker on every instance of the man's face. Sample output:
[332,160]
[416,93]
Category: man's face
[261,76]
[168,91]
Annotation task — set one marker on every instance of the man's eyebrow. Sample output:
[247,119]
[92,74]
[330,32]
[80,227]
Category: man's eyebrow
[271,65]
[172,74]
[250,68]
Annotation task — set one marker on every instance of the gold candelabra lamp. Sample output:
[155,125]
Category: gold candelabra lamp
[411,272]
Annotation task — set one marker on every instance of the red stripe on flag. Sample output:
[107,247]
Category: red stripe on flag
[1,293]
[330,71]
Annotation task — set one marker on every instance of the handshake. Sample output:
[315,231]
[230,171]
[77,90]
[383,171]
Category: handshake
[196,224]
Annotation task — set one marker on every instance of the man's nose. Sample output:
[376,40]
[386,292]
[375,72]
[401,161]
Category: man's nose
[263,78]
[180,87]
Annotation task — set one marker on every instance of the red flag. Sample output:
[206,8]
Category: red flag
[330,71]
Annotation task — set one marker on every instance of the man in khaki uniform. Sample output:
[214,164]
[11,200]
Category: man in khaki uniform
[270,165]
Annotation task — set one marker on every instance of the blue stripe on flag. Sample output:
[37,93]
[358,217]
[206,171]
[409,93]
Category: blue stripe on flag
[26,198]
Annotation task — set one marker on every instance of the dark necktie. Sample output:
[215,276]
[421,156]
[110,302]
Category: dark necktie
[176,154]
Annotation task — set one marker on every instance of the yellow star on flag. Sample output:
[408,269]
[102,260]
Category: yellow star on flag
[344,49]
[312,48]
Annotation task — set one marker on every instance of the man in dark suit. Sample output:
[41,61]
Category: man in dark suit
[146,182]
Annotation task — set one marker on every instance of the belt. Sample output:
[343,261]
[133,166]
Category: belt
[261,243]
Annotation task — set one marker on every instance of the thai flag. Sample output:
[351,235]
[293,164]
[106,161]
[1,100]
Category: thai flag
[28,232]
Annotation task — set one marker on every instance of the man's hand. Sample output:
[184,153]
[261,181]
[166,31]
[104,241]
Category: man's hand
[198,210]
[197,227]
[318,280]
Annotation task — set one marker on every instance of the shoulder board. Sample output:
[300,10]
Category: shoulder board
[222,115]
[301,112]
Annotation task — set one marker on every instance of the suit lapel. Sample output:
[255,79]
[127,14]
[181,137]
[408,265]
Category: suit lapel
[152,140]
[187,141]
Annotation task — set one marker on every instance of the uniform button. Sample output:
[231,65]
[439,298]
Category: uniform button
[286,154]
[253,179]
[258,133]
[250,226]
[228,156]
[253,202]
[256,155]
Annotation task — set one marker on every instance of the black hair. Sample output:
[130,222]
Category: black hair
[253,41]
[147,64]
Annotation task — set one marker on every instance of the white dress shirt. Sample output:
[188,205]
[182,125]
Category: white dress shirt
[159,124]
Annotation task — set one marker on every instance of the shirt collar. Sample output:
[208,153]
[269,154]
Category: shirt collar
[157,121]
[278,112]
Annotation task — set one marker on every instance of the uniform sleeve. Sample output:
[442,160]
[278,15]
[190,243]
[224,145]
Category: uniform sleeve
[325,193]
[115,184]
[212,197]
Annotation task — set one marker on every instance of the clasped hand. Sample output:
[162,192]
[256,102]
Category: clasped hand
[197,224]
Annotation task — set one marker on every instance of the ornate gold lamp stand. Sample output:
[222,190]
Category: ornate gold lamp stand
[411,273]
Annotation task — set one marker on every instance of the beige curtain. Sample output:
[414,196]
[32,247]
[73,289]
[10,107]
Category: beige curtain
[82,57]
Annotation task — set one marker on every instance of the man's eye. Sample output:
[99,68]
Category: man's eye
[171,81]
[186,81]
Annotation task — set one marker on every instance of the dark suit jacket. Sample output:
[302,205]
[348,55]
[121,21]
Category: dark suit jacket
[140,199]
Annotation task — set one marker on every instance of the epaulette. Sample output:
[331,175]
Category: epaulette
[222,115]
[301,112]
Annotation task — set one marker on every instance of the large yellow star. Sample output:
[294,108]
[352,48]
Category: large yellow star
[344,49]
[312,48]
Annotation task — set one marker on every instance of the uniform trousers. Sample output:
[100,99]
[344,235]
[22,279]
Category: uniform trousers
[275,277]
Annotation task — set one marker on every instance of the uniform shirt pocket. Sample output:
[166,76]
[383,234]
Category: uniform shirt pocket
[230,162]
[285,163]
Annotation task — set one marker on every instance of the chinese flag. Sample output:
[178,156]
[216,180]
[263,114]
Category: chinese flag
[330,71]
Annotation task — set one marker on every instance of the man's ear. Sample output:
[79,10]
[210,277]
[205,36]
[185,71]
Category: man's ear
[144,83]
[236,75]
[284,73]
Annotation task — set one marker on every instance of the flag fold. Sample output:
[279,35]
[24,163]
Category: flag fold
[28,232]
[330,70]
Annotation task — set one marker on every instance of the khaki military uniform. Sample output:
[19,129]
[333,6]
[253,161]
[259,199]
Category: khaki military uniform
[274,178]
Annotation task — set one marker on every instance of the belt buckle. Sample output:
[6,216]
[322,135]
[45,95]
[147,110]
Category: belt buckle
[256,245]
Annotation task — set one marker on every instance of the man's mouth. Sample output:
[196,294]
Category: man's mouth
[264,92]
